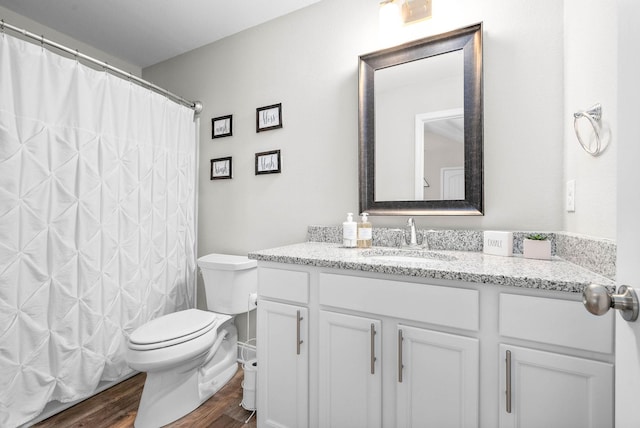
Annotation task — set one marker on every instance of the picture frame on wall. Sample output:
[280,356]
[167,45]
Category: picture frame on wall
[222,126]
[221,168]
[268,162]
[269,117]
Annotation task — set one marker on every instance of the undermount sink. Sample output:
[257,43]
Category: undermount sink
[406,255]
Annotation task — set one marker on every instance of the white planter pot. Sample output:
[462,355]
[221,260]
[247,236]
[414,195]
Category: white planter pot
[534,249]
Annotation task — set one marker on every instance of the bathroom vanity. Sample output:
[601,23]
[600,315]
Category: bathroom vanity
[382,338]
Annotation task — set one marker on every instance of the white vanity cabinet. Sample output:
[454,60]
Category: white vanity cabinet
[438,379]
[283,354]
[384,350]
[349,366]
[435,374]
[547,388]
[380,366]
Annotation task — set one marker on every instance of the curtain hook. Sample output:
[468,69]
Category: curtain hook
[42,41]
[2,27]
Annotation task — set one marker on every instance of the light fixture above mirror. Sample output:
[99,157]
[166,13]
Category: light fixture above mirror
[405,11]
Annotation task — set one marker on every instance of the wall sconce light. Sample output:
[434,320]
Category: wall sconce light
[408,11]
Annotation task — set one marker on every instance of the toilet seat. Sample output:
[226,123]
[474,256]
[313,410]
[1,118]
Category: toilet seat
[187,335]
[174,329]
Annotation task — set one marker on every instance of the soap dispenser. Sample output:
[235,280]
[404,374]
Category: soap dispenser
[365,232]
[349,232]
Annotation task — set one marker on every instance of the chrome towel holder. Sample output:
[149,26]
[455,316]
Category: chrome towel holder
[594,116]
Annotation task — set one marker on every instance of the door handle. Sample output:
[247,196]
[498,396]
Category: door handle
[373,348]
[400,365]
[598,300]
[508,382]
[298,341]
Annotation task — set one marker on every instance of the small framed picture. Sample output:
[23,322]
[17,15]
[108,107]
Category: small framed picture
[222,126]
[269,117]
[221,168]
[268,162]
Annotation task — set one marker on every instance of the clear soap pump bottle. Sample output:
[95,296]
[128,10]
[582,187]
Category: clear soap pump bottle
[365,232]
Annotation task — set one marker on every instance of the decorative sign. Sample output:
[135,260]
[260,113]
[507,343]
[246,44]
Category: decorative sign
[221,168]
[222,126]
[498,243]
[268,162]
[269,117]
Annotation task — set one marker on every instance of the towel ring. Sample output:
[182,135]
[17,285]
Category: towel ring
[593,115]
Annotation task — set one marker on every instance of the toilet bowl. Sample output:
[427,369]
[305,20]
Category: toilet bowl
[189,355]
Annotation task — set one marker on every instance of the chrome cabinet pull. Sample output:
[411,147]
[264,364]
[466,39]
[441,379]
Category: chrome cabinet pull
[298,341]
[400,365]
[373,349]
[508,382]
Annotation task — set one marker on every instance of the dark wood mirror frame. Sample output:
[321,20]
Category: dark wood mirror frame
[469,40]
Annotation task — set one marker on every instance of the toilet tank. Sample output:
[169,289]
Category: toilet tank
[228,281]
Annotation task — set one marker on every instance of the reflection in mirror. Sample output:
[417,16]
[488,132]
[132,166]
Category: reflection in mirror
[439,164]
[420,127]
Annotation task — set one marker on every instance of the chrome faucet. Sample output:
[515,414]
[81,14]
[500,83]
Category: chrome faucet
[413,239]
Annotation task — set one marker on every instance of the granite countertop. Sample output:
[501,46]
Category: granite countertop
[475,267]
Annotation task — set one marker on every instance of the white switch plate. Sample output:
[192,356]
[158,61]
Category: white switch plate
[571,196]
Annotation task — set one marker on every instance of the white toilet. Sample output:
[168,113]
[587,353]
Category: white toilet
[191,354]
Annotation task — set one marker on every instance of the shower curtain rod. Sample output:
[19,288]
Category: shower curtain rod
[195,105]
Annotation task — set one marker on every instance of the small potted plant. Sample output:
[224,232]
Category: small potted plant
[537,246]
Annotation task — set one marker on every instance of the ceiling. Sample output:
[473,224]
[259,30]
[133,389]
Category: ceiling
[145,32]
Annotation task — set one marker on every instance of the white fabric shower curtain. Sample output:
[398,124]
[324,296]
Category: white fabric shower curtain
[97,223]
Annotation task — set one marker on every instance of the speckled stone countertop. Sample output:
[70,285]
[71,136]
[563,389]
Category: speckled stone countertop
[475,267]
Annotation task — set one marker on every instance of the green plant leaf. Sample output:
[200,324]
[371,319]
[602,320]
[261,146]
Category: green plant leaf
[537,237]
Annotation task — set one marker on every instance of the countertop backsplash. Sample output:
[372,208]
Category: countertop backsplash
[595,254]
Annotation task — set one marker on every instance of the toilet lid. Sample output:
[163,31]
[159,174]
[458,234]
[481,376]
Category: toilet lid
[175,328]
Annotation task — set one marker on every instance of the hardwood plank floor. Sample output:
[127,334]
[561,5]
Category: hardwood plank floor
[117,407]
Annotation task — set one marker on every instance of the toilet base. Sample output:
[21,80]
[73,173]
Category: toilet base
[172,394]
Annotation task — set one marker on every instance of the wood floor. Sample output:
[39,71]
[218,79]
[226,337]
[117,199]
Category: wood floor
[116,408]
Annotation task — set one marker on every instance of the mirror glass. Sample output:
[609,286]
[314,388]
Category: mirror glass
[421,127]
[417,142]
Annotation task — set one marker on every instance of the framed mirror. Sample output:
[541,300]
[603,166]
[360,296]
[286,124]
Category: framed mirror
[421,126]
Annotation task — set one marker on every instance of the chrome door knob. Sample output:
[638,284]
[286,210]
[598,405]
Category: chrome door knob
[597,299]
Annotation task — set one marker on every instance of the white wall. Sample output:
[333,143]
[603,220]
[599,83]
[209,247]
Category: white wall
[58,37]
[590,76]
[308,61]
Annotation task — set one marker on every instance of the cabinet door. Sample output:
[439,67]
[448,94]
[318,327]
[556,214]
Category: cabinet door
[283,365]
[554,390]
[349,370]
[438,379]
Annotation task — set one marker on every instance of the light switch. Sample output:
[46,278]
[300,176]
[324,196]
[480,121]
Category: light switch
[571,196]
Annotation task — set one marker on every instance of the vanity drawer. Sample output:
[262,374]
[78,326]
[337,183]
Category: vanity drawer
[446,306]
[282,284]
[555,321]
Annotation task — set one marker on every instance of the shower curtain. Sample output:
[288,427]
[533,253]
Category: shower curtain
[97,223]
